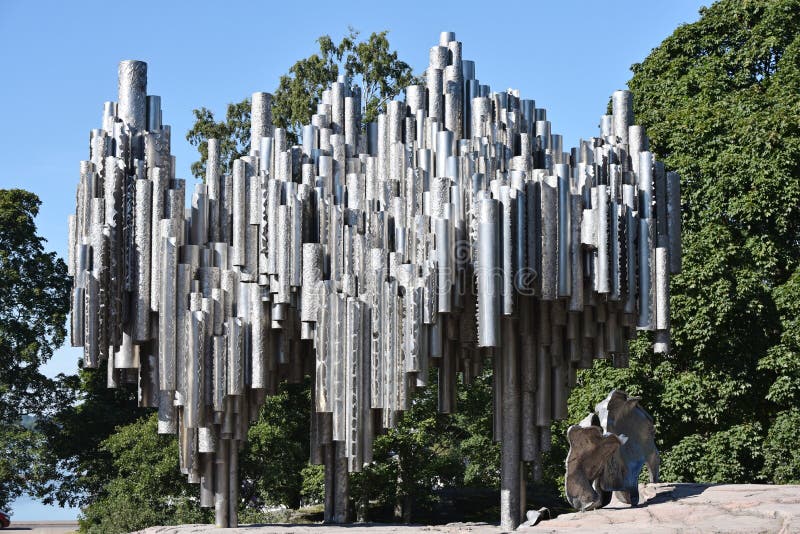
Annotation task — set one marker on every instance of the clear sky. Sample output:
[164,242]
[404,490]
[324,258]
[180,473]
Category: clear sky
[58,64]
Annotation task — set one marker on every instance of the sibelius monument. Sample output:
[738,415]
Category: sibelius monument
[456,230]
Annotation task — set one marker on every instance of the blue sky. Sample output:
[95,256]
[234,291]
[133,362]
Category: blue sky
[58,64]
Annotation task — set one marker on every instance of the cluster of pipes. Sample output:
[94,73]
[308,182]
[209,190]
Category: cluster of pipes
[453,229]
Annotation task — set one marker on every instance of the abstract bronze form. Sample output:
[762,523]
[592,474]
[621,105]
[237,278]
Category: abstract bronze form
[452,231]
[607,452]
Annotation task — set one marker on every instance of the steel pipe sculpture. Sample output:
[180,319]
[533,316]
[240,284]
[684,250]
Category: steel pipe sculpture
[453,229]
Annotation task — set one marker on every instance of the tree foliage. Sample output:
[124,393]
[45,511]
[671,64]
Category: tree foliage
[233,134]
[720,99]
[370,63]
[34,299]
[73,467]
[278,449]
[147,488]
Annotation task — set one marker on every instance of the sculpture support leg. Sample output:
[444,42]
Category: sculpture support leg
[329,459]
[336,483]
[221,485]
[511,469]
[342,486]
[233,481]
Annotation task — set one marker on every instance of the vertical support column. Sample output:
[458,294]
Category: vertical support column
[337,490]
[342,484]
[510,465]
[233,484]
[330,484]
[221,484]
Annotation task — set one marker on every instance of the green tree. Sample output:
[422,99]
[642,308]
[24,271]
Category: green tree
[129,479]
[233,134]
[278,449]
[369,63]
[73,467]
[148,488]
[34,299]
[720,99]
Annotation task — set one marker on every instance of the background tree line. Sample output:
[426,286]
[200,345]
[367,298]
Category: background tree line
[720,99]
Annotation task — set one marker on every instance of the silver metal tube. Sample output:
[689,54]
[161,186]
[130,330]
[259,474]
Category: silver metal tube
[444,260]
[167,315]
[662,288]
[488,290]
[195,352]
[221,488]
[645,248]
[260,119]
[506,252]
[601,211]
[622,112]
[142,241]
[239,214]
[132,98]
[674,221]
[576,295]
[235,368]
[564,232]
[435,93]
[258,379]
[91,352]
[632,233]
[549,249]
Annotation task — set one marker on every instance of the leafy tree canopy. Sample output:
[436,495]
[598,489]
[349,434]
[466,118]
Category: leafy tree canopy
[34,299]
[370,63]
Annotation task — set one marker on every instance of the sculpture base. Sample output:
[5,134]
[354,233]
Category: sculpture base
[665,508]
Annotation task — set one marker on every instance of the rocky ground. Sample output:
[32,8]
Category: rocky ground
[669,508]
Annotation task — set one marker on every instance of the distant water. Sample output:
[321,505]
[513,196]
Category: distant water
[29,509]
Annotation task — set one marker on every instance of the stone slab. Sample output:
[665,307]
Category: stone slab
[666,509]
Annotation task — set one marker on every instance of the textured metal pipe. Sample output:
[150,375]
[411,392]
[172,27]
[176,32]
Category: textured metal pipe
[260,119]
[221,487]
[444,260]
[142,241]
[549,248]
[632,233]
[167,315]
[486,270]
[132,97]
[236,365]
[602,263]
[258,377]
[674,221]
[507,290]
[564,232]
[195,352]
[435,86]
[576,262]
[662,288]
[645,280]
[622,112]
